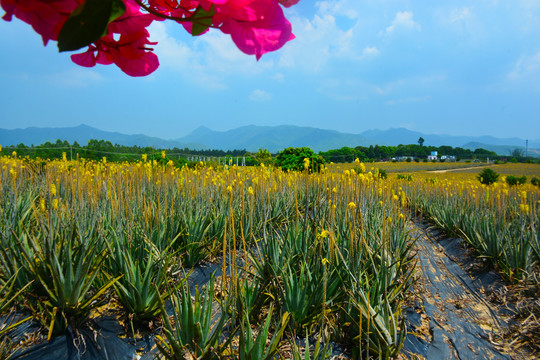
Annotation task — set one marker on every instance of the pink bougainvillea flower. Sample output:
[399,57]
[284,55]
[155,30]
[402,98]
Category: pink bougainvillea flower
[258,37]
[46,16]
[129,53]
[132,21]
[244,10]
[288,3]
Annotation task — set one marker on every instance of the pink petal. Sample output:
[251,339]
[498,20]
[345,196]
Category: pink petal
[289,3]
[86,59]
[259,37]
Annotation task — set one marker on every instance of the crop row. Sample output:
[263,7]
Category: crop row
[326,256]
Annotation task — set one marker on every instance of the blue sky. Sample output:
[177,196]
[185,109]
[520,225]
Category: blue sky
[447,67]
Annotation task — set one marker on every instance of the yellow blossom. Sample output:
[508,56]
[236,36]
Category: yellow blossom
[55,204]
[324,234]
[14,154]
[250,191]
[144,157]
[42,204]
[53,190]
[352,205]
[163,154]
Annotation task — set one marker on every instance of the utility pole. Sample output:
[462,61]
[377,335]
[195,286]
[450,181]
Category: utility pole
[526,147]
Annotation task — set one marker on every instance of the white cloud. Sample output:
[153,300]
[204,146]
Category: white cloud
[260,95]
[339,8]
[526,67]
[370,51]
[207,60]
[317,41]
[403,20]
[457,15]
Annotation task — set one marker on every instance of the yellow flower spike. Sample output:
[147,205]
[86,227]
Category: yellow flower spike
[381,203]
[229,190]
[14,154]
[334,190]
[53,190]
[163,154]
[144,157]
[352,205]
[55,204]
[395,197]
[401,216]
[42,204]
[324,234]
[64,156]
[250,191]
[170,163]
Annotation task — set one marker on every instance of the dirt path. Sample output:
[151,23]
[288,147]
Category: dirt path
[451,318]
[457,169]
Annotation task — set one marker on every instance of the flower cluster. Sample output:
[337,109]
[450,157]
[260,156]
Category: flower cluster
[255,26]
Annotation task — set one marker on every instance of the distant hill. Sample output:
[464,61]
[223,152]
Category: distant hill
[405,136]
[273,138]
[502,149]
[82,134]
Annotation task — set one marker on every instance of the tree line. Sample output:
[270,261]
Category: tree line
[98,149]
[376,152]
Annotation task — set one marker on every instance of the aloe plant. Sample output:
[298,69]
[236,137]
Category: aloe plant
[64,266]
[195,332]
[141,269]
[260,348]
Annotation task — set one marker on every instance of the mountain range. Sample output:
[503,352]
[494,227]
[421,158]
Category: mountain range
[273,138]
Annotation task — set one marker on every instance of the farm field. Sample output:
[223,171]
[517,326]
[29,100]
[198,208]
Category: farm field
[328,257]
[404,167]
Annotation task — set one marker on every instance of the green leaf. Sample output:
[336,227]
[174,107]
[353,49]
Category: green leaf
[201,20]
[88,23]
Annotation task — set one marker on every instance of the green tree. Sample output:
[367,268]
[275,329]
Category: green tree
[488,176]
[292,159]
[263,156]
[421,141]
